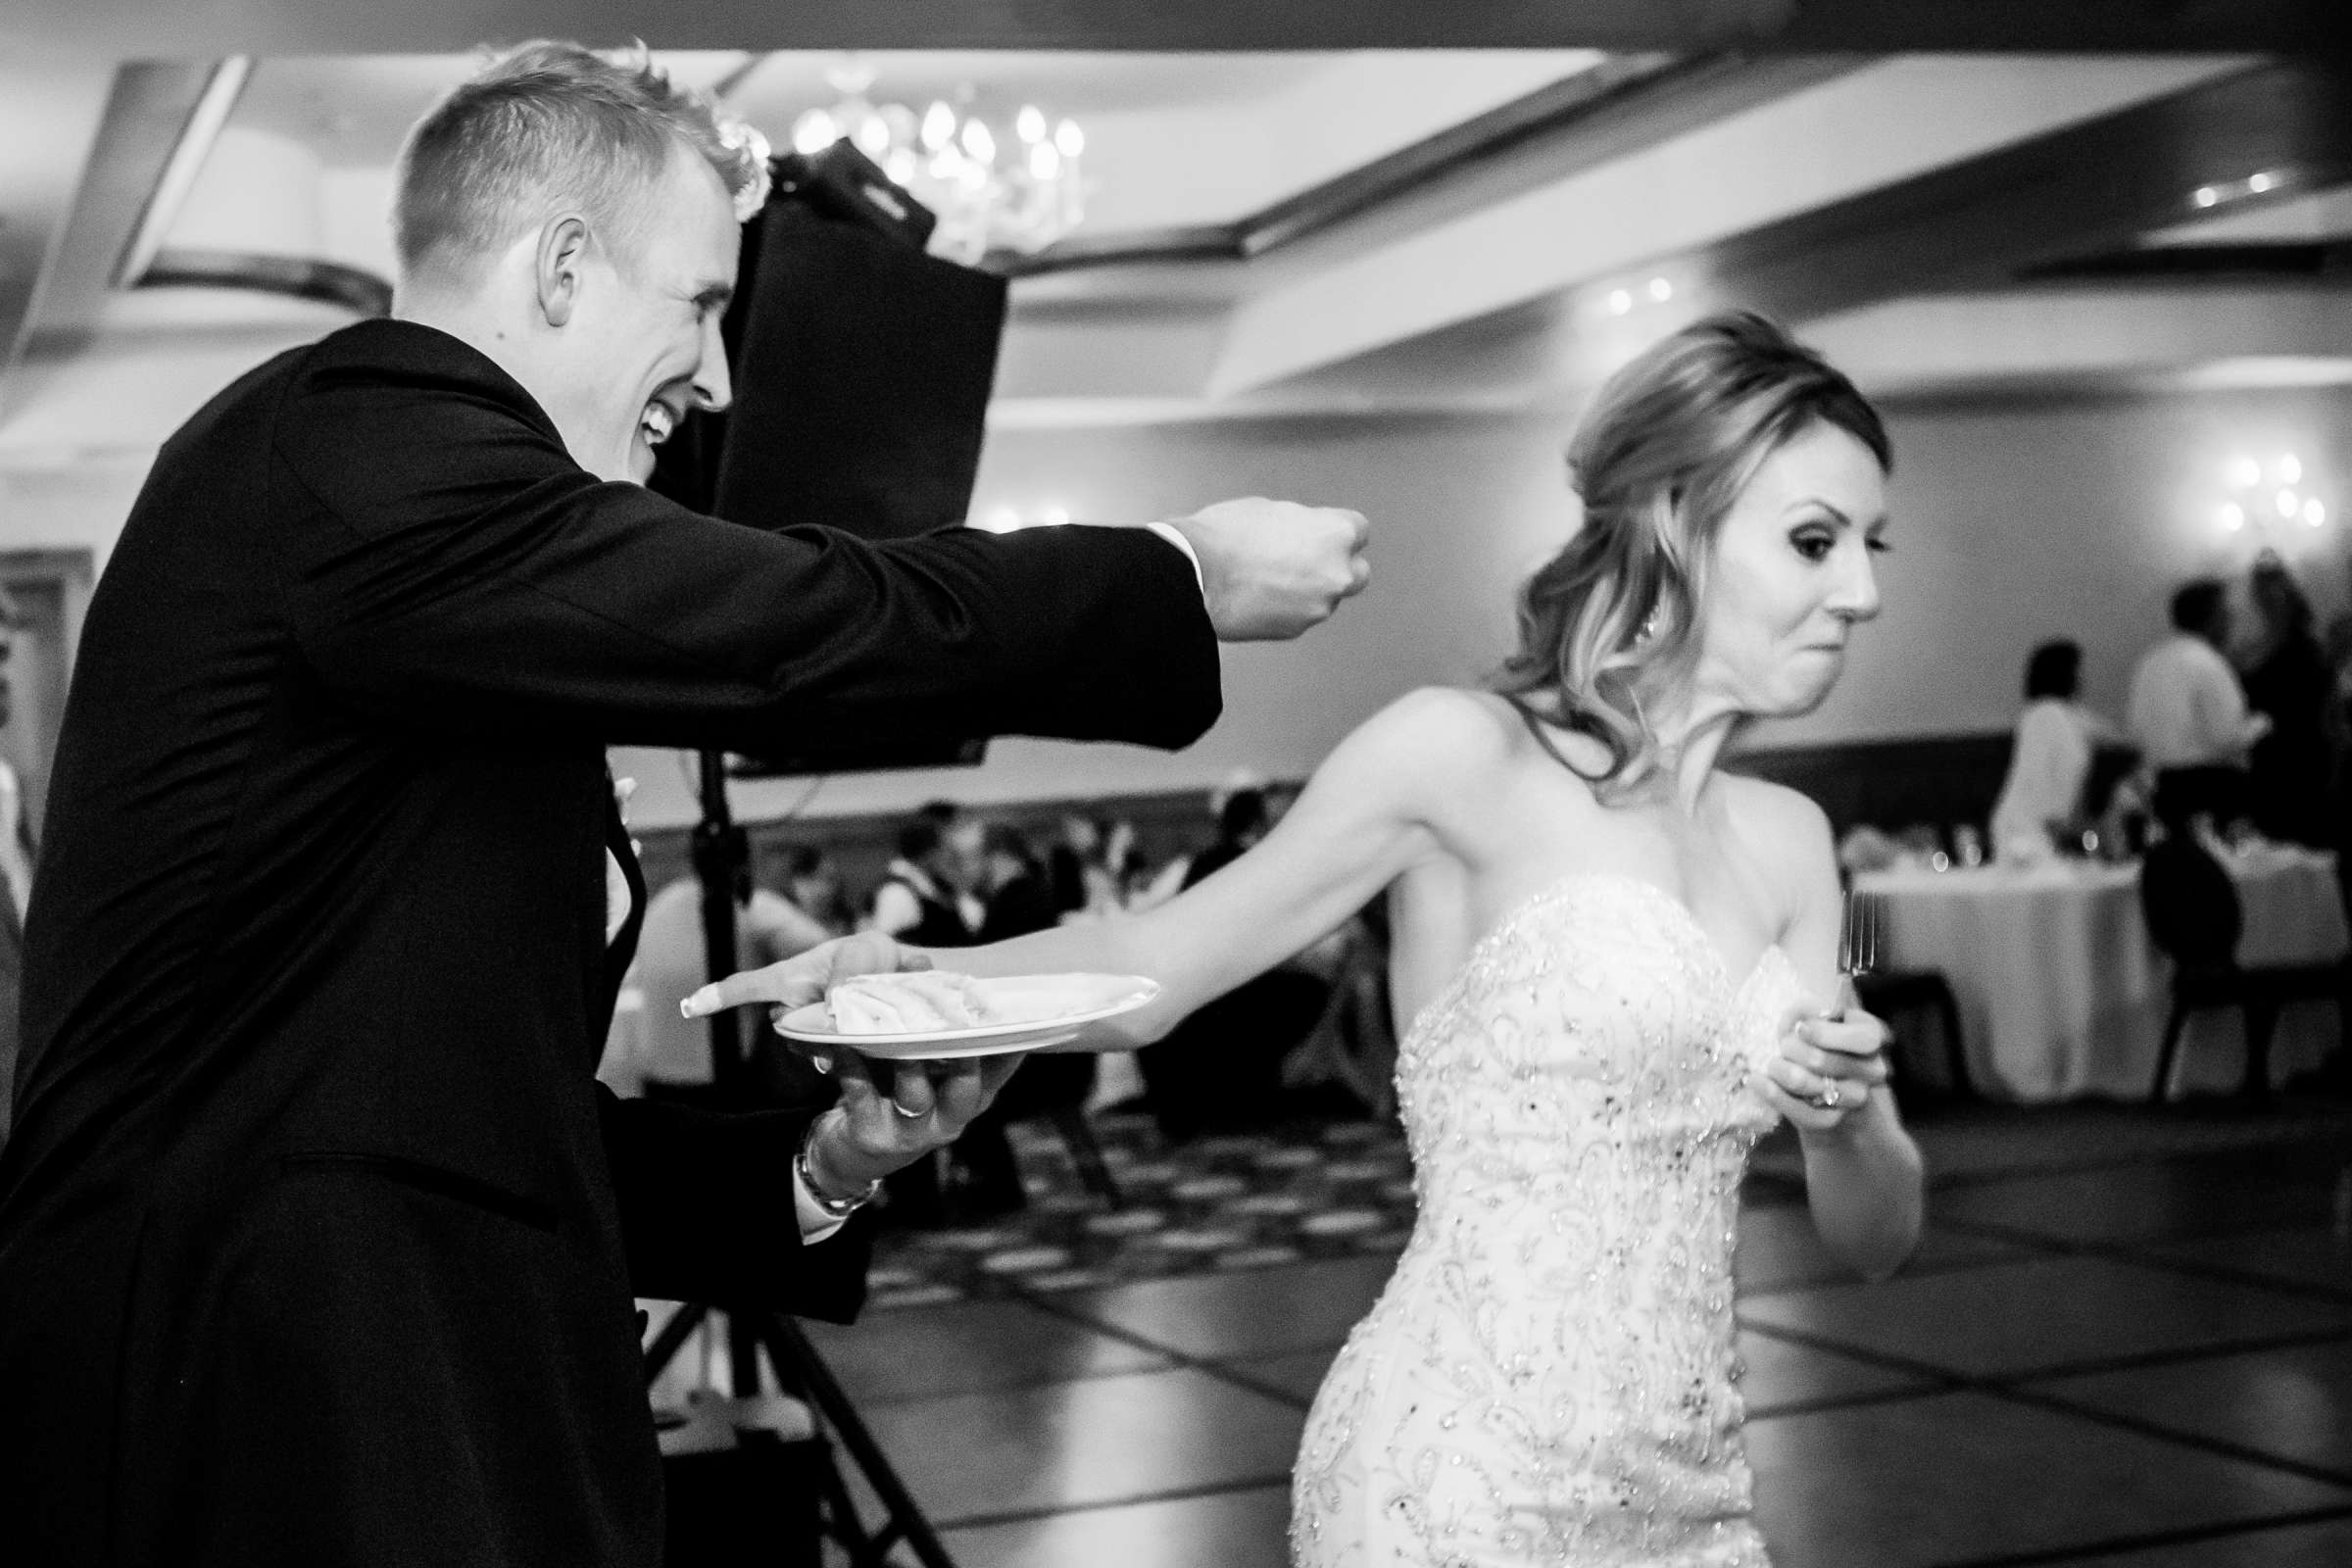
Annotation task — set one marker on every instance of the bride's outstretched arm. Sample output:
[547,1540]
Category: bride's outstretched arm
[1365,817]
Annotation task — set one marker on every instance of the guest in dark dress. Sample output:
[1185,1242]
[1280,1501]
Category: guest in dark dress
[2286,677]
[1222,1069]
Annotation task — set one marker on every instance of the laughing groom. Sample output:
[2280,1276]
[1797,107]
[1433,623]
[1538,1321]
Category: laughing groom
[319,1236]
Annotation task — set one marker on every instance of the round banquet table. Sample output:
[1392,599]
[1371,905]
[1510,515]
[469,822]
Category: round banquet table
[2063,994]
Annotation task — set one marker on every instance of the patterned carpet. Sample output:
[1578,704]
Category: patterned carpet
[1340,1189]
[1297,1192]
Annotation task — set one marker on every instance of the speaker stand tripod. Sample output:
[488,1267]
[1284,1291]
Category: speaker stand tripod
[720,851]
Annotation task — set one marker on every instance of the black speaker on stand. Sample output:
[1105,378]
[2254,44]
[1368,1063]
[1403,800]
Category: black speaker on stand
[862,370]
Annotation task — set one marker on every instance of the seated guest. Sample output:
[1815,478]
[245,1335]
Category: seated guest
[2050,761]
[2188,714]
[2286,681]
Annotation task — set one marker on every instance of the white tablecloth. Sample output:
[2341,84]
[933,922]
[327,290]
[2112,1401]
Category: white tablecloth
[2061,991]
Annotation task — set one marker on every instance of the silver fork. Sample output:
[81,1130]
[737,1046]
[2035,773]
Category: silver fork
[1858,924]
[1858,935]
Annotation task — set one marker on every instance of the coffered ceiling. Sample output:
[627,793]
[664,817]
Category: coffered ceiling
[1287,212]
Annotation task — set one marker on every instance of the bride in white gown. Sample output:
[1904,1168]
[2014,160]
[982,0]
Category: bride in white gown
[1619,967]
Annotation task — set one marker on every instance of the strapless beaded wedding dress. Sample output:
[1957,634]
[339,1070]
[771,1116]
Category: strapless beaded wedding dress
[1549,1376]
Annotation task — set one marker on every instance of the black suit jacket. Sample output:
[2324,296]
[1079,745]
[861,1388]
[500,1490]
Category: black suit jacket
[318,1238]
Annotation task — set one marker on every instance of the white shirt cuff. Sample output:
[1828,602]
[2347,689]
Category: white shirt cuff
[1175,536]
[816,1223]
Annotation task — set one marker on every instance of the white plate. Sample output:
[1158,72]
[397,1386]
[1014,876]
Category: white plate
[1085,998]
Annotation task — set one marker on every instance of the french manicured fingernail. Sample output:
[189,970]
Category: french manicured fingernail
[911,1116]
[700,1002]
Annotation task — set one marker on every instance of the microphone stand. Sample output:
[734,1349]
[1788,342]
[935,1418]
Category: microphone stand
[720,852]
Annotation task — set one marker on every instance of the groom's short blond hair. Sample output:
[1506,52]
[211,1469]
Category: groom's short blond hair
[548,128]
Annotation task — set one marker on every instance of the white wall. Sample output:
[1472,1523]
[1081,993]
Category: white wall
[72,505]
[2014,522]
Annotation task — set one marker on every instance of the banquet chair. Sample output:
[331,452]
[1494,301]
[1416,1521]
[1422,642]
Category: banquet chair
[2193,914]
[1890,993]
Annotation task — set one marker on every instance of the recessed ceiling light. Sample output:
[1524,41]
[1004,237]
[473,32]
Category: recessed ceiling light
[2289,503]
[2260,182]
[2206,196]
[1660,291]
[2232,516]
[2314,514]
[1620,302]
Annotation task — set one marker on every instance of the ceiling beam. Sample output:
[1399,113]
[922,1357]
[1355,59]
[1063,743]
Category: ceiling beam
[204,29]
[2064,338]
[142,135]
[2079,190]
[112,194]
[57,107]
[1832,143]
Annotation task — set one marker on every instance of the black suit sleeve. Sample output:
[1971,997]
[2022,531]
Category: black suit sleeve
[448,566]
[707,1212]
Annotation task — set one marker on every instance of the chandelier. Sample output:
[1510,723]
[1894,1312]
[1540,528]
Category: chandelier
[1018,191]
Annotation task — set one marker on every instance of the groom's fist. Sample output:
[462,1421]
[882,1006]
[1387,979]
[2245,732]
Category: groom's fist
[1273,568]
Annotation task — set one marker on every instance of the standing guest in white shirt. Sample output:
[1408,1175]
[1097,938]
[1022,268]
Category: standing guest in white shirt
[921,899]
[2188,714]
[2050,761]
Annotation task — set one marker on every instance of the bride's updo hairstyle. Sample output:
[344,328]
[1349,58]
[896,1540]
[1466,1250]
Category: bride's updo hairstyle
[1658,460]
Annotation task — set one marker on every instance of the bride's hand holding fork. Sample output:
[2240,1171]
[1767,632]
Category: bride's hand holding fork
[1829,1067]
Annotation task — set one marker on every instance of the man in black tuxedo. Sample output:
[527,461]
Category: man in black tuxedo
[318,1238]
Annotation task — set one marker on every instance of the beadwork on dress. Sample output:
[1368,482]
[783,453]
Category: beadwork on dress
[1550,1375]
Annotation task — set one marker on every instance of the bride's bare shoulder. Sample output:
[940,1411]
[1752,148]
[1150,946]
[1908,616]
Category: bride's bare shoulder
[1763,807]
[1452,728]
[1786,832]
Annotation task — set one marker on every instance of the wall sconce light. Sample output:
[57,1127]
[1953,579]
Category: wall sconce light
[2269,495]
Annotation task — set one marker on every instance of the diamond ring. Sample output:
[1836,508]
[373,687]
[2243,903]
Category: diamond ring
[1831,1095]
